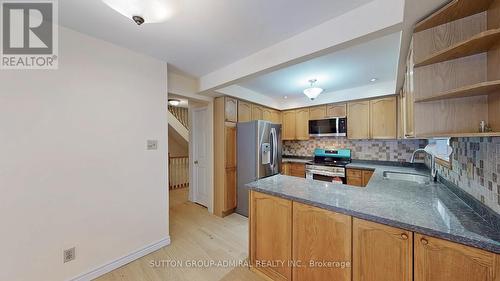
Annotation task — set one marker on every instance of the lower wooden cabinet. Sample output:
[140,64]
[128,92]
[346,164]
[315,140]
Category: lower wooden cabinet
[298,170]
[270,235]
[357,177]
[320,236]
[381,253]
[437,260]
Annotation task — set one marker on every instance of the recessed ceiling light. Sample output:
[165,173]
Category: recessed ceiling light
[285,97]
[174,102]
[373,79]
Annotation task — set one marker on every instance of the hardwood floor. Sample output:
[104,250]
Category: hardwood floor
[196,235]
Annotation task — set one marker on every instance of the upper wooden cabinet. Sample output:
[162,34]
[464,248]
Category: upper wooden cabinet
[302,124]
[372,119]
[270,234]
[267,114]
[382,252]
[437,259]
[244,111]
[320,235]
[317,112]
[383,118]
[336,110]
[257,112]
[358,120]
[276,117]
[231,109]
[408,99]
[288,129]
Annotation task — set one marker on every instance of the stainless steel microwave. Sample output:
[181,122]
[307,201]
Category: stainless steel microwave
[332,127]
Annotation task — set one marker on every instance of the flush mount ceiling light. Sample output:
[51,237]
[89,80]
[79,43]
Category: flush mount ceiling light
[373,79]
[144,11]
[313,92]
[174,102]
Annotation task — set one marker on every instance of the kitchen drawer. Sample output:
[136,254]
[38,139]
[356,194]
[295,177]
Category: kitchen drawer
[351,173]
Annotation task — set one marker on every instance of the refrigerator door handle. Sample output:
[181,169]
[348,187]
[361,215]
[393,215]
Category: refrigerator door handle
[274,139]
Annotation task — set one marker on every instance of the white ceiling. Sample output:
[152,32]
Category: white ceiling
[345,69]
[204,35]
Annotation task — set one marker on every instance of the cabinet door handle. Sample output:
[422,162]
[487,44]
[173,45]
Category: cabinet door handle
[424,241]
[404,236]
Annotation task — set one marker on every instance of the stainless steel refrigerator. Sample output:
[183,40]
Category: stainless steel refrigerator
[259,156]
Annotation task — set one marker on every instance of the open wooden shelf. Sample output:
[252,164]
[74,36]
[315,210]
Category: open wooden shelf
[479,89]
[479,43]
[459,135]
[454,10]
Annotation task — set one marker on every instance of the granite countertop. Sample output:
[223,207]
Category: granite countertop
[427,209]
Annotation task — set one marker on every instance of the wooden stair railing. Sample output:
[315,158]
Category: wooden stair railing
[181,113]
[178,175]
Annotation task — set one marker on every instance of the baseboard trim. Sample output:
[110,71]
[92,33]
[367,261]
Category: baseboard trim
[93,274]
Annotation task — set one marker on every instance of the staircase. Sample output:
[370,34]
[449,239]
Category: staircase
[178,123]
[181,113]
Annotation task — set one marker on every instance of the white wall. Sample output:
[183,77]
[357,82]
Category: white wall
[74,170]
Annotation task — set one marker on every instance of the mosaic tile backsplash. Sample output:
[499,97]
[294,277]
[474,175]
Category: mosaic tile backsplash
[390,150]
[475,168]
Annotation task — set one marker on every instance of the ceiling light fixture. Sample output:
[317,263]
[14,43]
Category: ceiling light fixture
[144,11]
[174,102]
[373,79]
[313,92]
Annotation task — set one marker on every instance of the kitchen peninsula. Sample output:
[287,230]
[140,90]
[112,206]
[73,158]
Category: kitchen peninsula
[414,231]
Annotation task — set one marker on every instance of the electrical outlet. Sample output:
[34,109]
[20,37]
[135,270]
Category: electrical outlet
[152,145]
[69,255]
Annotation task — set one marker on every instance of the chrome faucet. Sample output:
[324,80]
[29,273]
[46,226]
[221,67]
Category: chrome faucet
[412,160]
[433,163]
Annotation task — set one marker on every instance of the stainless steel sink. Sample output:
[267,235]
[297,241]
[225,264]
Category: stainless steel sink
[416,178]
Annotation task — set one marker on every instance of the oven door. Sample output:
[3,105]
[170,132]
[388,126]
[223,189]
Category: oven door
[322,175]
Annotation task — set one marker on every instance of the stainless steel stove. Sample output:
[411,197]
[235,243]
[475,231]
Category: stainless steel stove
[329,165]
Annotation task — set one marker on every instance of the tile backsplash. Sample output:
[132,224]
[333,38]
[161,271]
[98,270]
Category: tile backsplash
[383,150]
[475,168]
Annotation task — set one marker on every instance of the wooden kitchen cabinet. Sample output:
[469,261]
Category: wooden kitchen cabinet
[302,124]
[244,111]
[230,168]
[358,120]
[320,235]
[224,158]
[267,114]
[231,109]
[436,259]
[285,168]
[317,112]
[383,118]
[288,126]
[257,112]
[336,110]
[382,252]
[298,170]
[276,117]
[270,235]
[358,177]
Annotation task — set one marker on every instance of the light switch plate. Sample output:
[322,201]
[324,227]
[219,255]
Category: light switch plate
[152,145]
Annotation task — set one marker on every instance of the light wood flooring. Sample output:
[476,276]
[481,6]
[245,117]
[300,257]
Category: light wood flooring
[195,235]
